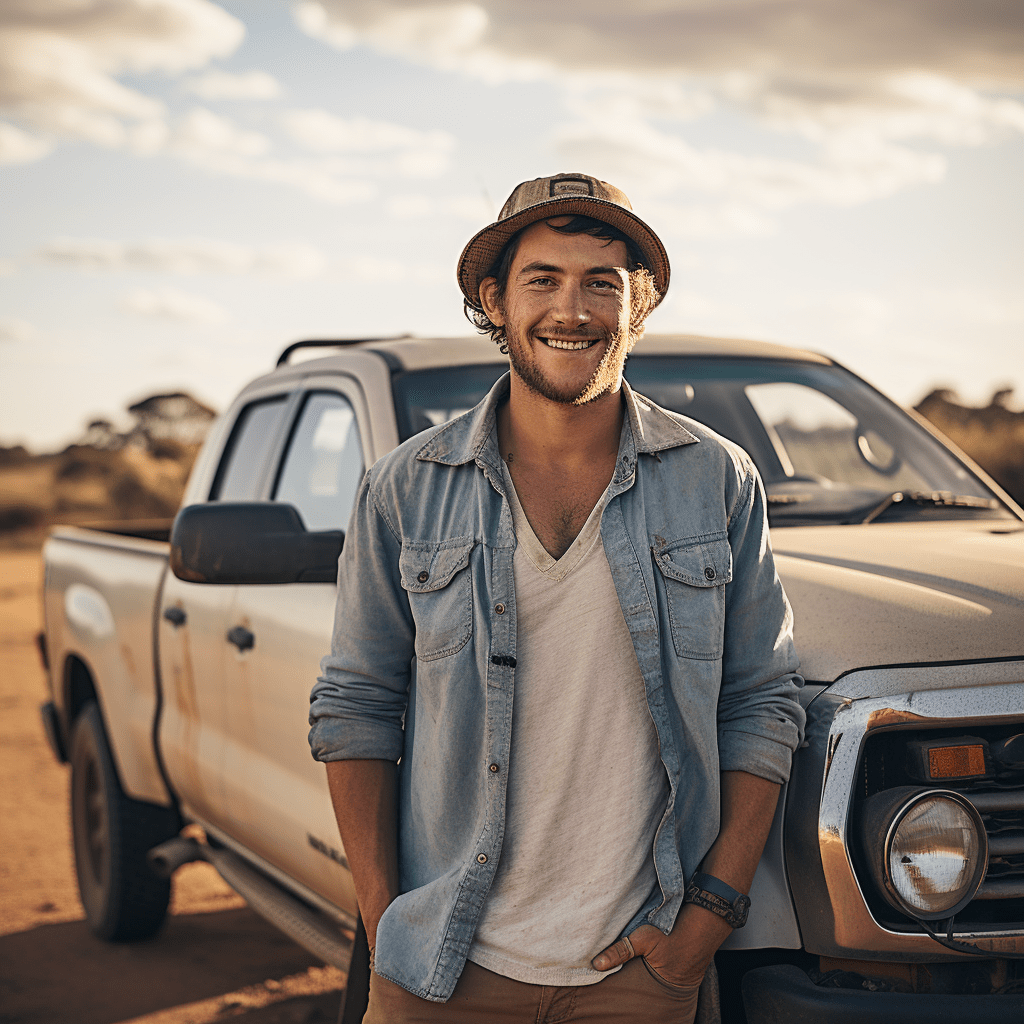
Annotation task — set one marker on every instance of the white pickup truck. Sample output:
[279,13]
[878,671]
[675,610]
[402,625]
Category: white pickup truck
[180,663]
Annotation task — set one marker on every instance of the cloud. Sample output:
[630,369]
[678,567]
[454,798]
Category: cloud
[474,209]
[322,180]
[172,304]
[445,35]
[352,155]
[708,219]
[616,96]
[202,133]
[220,146]
[411,153]
[661,163]
[328,133]
[13,330]
[909,105]
[183,256]
[981,42]
[864,81]
[18,147]
[222,85]
[59,67]
[59,59]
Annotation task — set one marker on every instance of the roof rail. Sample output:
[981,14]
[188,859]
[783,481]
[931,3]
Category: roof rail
[331,343]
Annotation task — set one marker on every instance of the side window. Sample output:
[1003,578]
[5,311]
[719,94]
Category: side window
[324,463]
[246,455]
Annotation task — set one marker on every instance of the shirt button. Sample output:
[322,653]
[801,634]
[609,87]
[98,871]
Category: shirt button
[481,858]
[709,573]
[493,767]
[499,609]
[423,576]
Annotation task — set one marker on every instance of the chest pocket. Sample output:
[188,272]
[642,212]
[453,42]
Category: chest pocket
[695,574]
[438,581]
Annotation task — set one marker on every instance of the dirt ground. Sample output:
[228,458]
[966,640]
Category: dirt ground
[214,959]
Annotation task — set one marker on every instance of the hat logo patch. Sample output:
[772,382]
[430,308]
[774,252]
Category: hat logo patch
[570,186]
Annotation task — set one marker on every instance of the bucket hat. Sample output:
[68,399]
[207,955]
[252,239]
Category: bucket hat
[558,196]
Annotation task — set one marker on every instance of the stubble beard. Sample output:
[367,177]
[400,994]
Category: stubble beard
[605,377]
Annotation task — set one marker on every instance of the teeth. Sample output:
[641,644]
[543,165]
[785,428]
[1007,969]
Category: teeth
[571,346]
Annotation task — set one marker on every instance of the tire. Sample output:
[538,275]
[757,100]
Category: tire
[122,897]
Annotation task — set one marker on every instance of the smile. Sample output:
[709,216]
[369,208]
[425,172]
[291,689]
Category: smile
[570,346]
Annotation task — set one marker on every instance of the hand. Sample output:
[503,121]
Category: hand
[681,957]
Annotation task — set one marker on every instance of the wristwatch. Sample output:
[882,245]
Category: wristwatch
[713,894]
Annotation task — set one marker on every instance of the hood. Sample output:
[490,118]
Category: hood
[903,593]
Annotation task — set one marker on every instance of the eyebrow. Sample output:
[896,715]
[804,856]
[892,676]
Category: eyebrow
[549,268]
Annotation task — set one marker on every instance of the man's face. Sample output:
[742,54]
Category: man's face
[565,313]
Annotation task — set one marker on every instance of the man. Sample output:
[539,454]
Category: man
[561,614]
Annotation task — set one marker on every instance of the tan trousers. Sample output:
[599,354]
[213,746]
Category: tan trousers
[631,995]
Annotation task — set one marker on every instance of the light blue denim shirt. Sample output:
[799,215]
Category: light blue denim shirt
[422,665]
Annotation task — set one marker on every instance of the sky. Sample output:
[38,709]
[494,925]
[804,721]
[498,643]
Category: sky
[186,187]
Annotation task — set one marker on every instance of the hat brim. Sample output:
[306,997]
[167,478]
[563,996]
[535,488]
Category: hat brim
[485,246]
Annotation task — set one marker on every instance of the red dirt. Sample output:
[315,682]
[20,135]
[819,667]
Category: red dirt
[214,959]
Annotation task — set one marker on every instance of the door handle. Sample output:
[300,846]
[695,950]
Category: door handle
[175,616]
[242,638]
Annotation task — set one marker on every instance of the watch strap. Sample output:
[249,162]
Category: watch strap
[716,896]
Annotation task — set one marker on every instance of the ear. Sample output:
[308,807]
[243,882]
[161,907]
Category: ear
[489,301]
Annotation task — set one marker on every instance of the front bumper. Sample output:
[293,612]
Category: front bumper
[786,995]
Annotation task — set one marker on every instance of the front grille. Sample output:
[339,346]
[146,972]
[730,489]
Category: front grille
[1002,810]
[999,798]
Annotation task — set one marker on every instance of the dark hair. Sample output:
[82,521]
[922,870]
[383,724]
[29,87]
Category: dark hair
[643,295]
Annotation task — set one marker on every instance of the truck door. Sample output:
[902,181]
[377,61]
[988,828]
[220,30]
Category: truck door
[277,800]
[193,622]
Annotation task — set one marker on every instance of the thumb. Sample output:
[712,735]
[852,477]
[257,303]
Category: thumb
[638,942]
[617,953]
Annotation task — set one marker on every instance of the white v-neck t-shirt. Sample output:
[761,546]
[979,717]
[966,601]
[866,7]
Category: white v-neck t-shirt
[586,786]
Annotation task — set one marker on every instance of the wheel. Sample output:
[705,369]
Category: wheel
[122,897]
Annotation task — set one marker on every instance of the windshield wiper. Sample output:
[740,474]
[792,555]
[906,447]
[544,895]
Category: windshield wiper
[934,499]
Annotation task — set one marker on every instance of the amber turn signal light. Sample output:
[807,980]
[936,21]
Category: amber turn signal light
[956,762]
[957,757]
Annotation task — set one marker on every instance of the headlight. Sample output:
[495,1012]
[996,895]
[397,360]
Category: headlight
[926,849]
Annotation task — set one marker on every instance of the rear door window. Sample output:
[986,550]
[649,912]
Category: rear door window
[323,466]
[245,460]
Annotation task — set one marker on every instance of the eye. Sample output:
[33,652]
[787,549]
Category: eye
[542,281]
[601,284]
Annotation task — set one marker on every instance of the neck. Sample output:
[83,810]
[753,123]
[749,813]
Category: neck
[535,429]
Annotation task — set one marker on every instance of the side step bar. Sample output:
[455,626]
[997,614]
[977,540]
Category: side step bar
[281,908]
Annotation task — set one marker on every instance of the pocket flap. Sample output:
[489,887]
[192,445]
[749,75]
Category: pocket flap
[430,566]
[706,563]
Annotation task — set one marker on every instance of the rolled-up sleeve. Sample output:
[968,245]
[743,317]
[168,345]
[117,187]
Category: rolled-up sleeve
[760,722]
[358,703]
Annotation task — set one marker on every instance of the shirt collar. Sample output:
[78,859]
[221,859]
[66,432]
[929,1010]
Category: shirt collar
[472,436]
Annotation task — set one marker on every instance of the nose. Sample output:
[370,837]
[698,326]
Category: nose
[570,307]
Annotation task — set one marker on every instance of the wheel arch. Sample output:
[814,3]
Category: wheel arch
[84,681]
[79,688]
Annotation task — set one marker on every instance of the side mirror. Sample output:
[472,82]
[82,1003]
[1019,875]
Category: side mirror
[251,542]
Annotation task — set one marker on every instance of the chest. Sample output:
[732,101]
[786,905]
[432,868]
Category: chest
[557,504]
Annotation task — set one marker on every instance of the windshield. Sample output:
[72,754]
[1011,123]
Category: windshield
[828,447]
